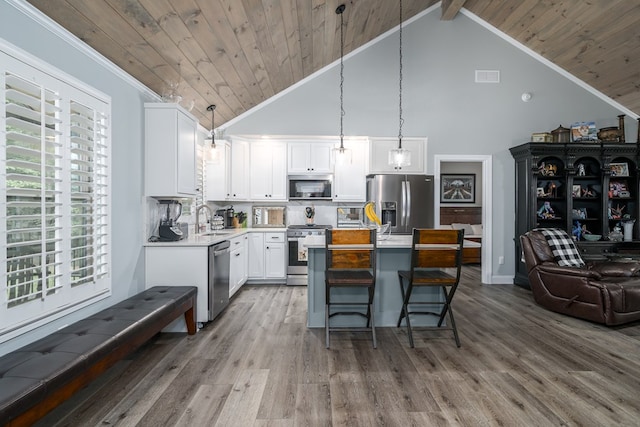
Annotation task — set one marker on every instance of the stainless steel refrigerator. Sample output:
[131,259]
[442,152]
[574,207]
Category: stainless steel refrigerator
[406,201]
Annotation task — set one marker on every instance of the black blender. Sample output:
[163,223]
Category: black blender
[169,229]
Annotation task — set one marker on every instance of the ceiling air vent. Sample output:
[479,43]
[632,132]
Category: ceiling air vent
[487,76]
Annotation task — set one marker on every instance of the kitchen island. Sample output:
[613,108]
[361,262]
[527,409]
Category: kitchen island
[394,253]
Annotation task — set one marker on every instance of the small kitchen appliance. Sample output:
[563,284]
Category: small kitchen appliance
[228,214]
[308,187]
[169,228]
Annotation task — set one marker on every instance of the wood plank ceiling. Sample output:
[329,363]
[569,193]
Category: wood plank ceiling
[238,53]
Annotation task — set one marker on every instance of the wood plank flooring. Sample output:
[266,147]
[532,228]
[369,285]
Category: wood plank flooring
[258,365]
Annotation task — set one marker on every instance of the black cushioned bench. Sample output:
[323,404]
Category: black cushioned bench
[36,378]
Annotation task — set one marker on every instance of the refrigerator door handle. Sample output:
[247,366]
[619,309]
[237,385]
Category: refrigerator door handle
[407,189]
[403,212]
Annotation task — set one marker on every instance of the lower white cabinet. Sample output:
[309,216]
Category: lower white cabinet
[180,266]
[238,267]
[267,256]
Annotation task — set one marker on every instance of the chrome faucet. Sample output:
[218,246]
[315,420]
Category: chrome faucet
[198,216]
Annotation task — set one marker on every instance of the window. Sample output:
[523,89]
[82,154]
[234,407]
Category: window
[54,225]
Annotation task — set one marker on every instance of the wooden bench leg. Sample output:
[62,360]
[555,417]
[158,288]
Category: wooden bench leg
[190,319]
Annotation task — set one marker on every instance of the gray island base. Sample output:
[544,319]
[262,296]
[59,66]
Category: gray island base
[394,254]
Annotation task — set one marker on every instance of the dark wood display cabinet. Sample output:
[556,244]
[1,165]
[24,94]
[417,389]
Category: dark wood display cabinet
[583,188]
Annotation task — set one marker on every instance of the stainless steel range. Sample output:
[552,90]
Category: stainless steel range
[297,264]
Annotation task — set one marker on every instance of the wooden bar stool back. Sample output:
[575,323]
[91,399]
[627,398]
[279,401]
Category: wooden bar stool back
[350,263]
[436,261]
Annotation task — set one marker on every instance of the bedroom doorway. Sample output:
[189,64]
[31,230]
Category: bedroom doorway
[480,167]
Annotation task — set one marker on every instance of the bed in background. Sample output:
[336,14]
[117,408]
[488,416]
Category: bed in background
[470,220]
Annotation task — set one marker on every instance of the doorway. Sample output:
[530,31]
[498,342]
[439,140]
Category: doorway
[485,161]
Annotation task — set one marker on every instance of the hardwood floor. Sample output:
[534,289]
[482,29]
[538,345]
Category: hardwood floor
[258,365]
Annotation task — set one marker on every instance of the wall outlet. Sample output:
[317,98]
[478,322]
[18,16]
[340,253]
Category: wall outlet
[500,260]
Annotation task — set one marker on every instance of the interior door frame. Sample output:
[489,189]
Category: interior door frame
[487,204]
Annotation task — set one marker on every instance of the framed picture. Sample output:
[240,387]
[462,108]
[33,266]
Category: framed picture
[584,132]
[459,188]
[576,191]
[619,169]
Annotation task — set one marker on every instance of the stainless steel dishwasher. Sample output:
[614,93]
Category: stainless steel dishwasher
[219,260]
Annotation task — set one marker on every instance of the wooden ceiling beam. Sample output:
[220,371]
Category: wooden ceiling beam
[450,9]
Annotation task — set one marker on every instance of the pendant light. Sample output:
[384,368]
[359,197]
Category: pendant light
[399,157]
[341,154]
[212,134]
[213,154]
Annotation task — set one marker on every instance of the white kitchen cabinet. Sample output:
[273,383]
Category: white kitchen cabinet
[349,180]
[309,157]
[217,171]
[256,255]
[238,268]
[267,256]
[170,151]
[275,259]
[239,174]
[180,266]
[379,155]
[268,174]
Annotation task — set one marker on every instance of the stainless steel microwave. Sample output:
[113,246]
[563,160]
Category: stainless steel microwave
[305,187]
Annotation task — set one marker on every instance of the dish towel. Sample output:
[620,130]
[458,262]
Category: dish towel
[302,250]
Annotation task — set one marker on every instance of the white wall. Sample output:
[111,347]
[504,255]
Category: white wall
[441,101]
[127,123]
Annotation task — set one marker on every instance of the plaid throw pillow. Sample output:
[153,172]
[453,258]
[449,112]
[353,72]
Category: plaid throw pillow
[562,247]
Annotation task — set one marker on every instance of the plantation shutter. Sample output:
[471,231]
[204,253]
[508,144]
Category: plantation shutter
[88,194]
[54,196]
[33,177]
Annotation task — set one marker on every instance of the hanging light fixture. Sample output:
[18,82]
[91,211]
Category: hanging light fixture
[213,155]
[399,157]
[212,134]
[341,154]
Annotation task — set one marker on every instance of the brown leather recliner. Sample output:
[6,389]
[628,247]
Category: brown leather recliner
[605,292]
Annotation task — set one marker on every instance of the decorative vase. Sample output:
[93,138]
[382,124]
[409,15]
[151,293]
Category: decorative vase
[616,235]
[627,226]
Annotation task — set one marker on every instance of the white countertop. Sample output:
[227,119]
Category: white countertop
[394,241]
[211,238]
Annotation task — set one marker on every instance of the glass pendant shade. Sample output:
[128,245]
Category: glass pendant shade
[399,157]
[341,155]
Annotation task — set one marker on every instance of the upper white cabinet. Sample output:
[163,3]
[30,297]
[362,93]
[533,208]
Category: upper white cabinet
[217,171]
[268,174]
[239,176]
[349,180]
[309,157]
[170,151]
[379,160]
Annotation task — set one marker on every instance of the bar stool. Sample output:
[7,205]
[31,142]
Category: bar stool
[434,253]
[350,263]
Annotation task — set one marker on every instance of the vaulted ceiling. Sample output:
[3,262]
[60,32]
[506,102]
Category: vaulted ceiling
[238,53]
